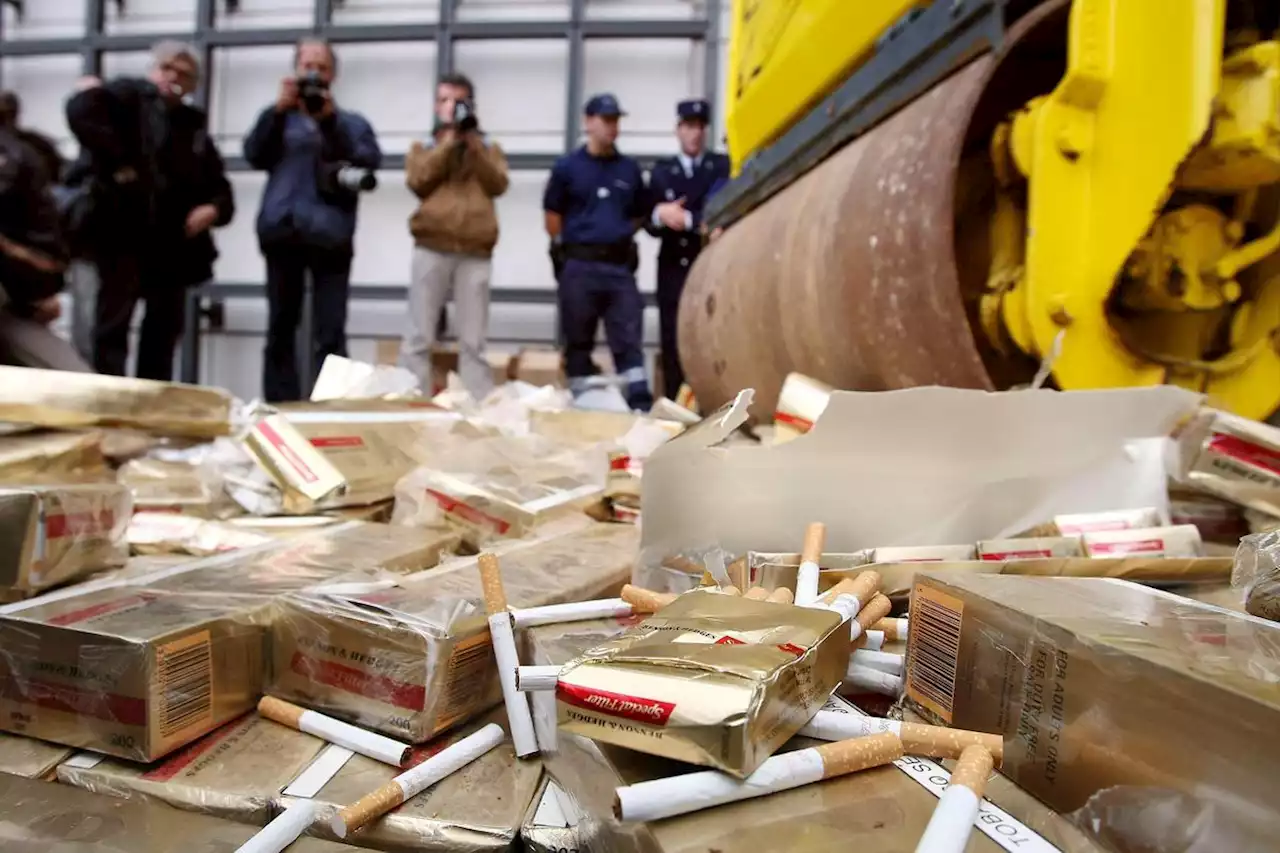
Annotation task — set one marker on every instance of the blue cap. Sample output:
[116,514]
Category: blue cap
[694,109]
[603,105]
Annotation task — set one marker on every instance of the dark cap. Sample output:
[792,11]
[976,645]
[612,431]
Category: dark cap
[694,109]
[603,105]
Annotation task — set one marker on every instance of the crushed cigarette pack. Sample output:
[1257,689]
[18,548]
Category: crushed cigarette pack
[711,679]
[154,533]
[885,808]
[478,809]
[44,816]
[30,758]
[1232,457]
[53,534]
[1108,694]
[415,660]
[233,772]
[551,824]
[66,400]
[800,403]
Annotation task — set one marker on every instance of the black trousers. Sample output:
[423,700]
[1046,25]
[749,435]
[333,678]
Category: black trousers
[671,278]
[287,268]
[123,281]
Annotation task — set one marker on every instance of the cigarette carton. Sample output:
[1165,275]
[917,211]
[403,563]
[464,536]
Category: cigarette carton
[303,473]
[42,816]
[1109,695]
[800,404]
[479,808]
[30,758]
[176,487]
[924,554]
[129,672]
[56,398]
[52,534]
[153,533]
[1217,519]
[1182,541]
[716,680]
[53,457]
[416,660]
[881,809]
[233,772]
[1075,524]
[1029,548]
[1234,458]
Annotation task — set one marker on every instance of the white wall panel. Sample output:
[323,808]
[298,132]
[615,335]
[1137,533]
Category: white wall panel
[386,12]
[513,10]
[43,83]
[392,85]
[520,90]
[245,81]
[649,77]
[260,14]
[149,16]
[44,19]
[133,63]
[645,9]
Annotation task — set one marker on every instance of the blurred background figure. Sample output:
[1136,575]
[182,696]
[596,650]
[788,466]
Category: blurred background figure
[153,186]
[457,178]
[319,158]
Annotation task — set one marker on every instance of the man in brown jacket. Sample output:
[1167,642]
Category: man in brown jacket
[457,177]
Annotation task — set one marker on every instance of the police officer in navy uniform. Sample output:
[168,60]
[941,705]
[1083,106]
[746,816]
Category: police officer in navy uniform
[594,203]
[680,187]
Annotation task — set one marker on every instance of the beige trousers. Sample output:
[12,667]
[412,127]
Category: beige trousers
[435,277]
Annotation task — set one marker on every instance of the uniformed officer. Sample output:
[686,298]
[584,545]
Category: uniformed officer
[680,186]
[594,202]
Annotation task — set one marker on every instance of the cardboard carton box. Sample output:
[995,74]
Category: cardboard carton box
[30,758]
[882,809]
[1111,696]
[477,809]
[53,534]
[130,672]
[44,817]
[416,660]
[233,772]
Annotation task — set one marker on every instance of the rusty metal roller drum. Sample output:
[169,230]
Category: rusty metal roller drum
[850,274]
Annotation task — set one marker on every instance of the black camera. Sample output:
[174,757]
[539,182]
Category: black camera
[343,176]
[313,92]
[464,117]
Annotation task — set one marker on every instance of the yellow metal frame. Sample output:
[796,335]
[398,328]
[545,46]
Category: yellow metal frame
[784,55]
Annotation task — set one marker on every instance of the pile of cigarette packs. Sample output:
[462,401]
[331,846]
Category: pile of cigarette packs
[374,620]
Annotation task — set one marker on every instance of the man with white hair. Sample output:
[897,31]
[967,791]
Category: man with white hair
[156,186]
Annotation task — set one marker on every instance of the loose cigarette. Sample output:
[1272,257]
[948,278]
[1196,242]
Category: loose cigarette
[883,661]
[861,589]
[942,742]
[534,679]
[375,746]
[676,795]
[873,681]
[894,629]
[575,611]
[757,593]
[875,610]
[957,809]
[730,590]
[807,577]
[870,640]
[834,725]
[781,595]
[283,831]
[413,782]
[502,634]
[646,600]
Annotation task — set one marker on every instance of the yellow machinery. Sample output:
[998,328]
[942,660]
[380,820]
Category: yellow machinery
[974,192]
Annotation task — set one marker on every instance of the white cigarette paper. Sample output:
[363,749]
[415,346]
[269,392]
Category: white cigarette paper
[836,725]
[957,809]
[518,715]
[534,679]
[883,661]
[283,831]
[375,746]
[875,641]
[873,681]
[807,583]
[574,611]
[412,782]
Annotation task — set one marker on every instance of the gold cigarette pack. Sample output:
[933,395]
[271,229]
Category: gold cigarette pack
[711,679]
[1107,694]
[304,475]
[415,660]
[800,403]
[65,400]
[1181,541]
[53,534]
[776,570]
[233,772]
[1029,548]
[130,672]
[53,457]
[30,758]
[175,487]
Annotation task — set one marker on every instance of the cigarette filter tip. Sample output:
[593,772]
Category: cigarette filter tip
[815,537]
[865,585]
[862,753]
[757,593]
[372,805]
[875,610]
[730,590]
[781,595]
[280,711]
[645,600]
[495,597]
[942,742]
[973,769]
[844,587]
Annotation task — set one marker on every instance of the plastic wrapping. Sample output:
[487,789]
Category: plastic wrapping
[188,482]
[152,533]
[551,825]
[345,379]
[233,772]
[55,398]
[477,809]
[1113,698]
[43,817]
[416,660]
[53,534]
[1256,576]
[30,758]
[53,457]
[880,809]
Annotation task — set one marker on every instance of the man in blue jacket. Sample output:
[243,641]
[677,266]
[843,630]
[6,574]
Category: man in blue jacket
[308,218]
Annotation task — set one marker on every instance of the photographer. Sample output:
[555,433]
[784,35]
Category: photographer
[319,158]
[155,185]
[455,228]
